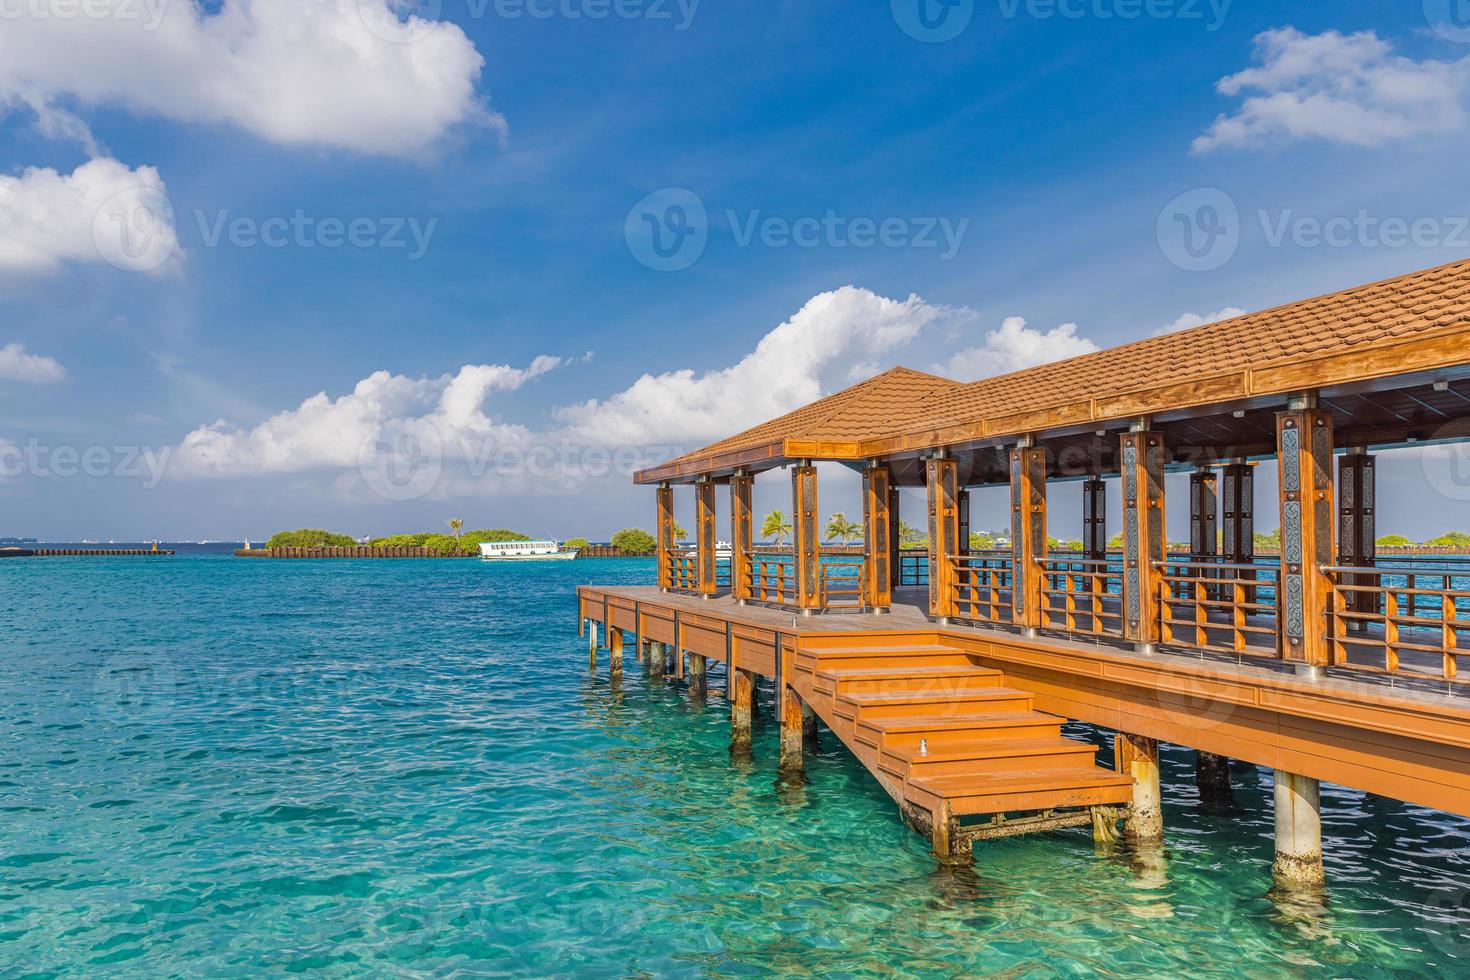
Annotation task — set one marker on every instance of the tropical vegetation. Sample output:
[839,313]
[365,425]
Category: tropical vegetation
[839,528]
[634,541]
[310,537]
[776,527]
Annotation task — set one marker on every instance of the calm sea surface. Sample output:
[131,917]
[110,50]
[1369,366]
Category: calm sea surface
[236,767]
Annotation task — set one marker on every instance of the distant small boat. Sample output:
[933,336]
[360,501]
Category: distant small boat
[724,550]
[525,551]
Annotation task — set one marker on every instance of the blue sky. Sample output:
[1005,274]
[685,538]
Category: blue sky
[517,148]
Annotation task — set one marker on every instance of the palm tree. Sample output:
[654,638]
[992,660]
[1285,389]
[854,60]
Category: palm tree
[840,528]
[456,524]
[776,526]
[910,536]
[679,533]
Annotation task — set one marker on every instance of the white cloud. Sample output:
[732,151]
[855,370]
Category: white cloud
[17,365]
[1015,347]
[1344,88]
[326,433]
[343,73]
[1188,321]
[102,211]
[816,350]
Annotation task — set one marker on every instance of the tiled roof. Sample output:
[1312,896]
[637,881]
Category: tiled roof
[1251,354]
[868,409]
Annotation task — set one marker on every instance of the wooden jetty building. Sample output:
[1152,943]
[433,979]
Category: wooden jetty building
[950,675]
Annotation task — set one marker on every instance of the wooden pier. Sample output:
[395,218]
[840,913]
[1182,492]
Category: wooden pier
[949,673]
[84,553]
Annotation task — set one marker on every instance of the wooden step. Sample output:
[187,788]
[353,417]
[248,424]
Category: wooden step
[987,756]
[925,655]
[844,680]
[892,704]
[1003,792]
[896,733]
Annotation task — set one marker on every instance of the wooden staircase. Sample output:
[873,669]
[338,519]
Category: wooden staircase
[946,737]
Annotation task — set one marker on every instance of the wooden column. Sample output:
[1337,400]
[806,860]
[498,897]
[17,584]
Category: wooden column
[705,560]
[944,528]
[742,535]
[806,537]
[664,535]
[895,537]
[1143,534]
[877,546]
[1238,519]
[1095,519]
[962,507]
[1028,534]
[742,698]
[698,676]
[792,731]
[1204,536]
[1138,757]
[615,650]
[1304,447]
[1356,543]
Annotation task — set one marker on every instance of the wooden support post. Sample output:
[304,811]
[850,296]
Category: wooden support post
[951,849]
[944,529]
[1298,864]
[1143,535]
[895,537]
[657,658]
[1028,535]
[615,651]
[1356,544]
[742,701]
[698,676]
[1304,447]
[1138,757]
[1095,519]
[1212,777]
[705,558]
[664,535]
[1238,519]
[592,646]
[962,509]
[742,536]
[877,547]
[792,725]
[806,537]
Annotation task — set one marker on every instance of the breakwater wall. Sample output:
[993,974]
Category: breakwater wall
[83,553]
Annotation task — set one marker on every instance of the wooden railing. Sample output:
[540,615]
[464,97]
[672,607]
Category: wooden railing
[842,584]
[773,578]
[981,587]
[1422,622]
[1209,605]
[682,575]
[913,568]
[1082,595]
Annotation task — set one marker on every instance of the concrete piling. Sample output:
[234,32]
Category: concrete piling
[1212,776]
[1298,865]
[1138,757]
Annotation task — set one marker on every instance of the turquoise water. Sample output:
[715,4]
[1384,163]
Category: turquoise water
[229,767]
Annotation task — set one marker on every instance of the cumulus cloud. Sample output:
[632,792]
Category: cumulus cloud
[342,433]
[1344,88]
[1014,347]
[834,335]
[1187,321]
[17,365]
[342,73]
[102,211]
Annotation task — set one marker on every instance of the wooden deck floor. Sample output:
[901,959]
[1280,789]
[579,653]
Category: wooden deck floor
[1358,731]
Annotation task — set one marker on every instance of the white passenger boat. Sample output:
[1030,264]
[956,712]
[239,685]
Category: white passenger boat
[525,551]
